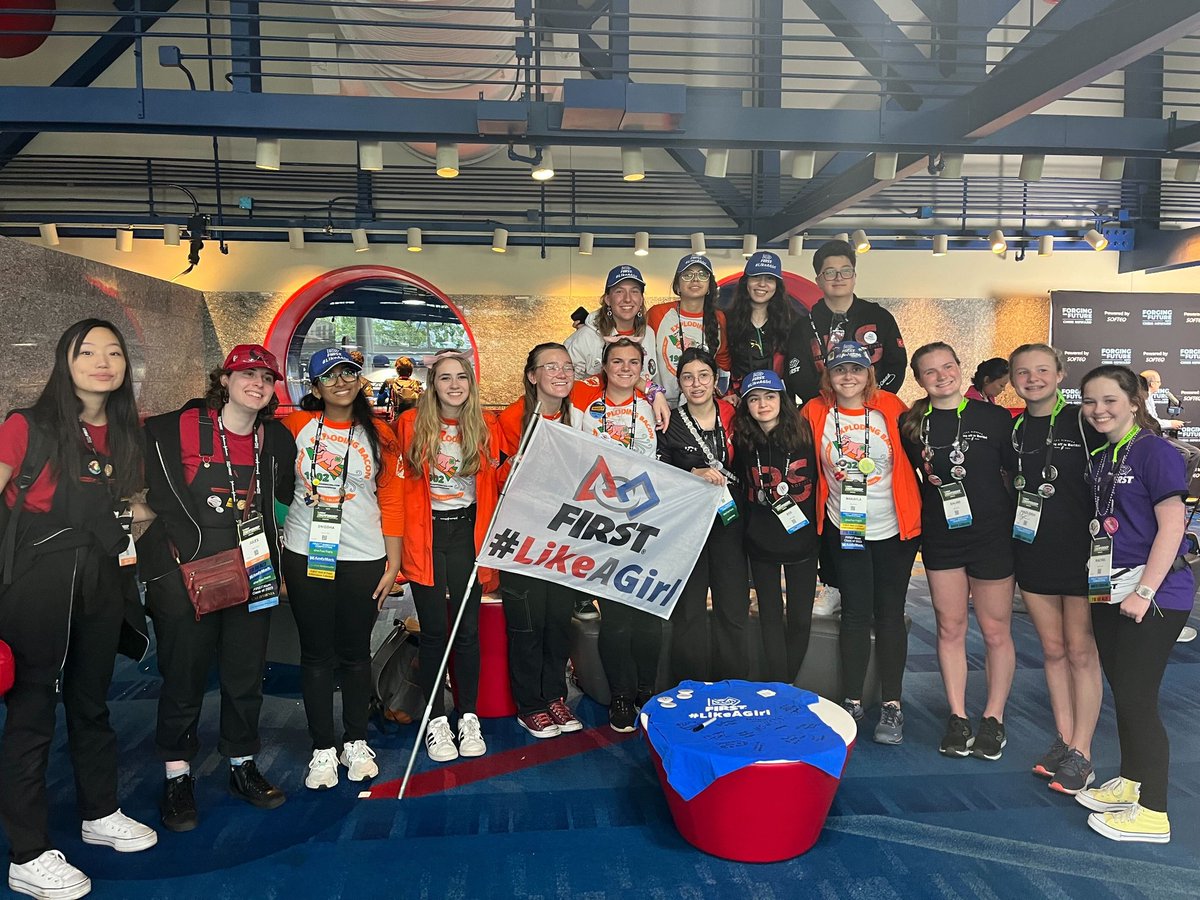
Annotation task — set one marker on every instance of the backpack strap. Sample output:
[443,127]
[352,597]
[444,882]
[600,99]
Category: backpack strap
[37,454]
[206,433]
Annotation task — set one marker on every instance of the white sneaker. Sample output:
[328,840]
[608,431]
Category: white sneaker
[470,737]
[120,832]
[439,740]
[829,601]
[359,759]
[322,770]
[49,877]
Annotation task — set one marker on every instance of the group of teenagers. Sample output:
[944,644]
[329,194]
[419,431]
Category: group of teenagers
[1084,505]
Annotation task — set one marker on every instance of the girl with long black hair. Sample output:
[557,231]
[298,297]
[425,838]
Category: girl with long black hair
[759,319]
[691,321]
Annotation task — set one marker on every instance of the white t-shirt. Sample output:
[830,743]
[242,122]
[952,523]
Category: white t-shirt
[448,489]
[881,505]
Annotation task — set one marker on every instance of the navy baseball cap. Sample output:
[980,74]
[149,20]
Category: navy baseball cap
[694,259]
[762,380]
[620,273]
[764,262]
[324,360]
[848,352]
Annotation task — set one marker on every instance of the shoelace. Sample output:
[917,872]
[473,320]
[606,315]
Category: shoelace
[1074,764]
[439,732]
[561,711]
[541,721]
[1126,815]
[323,758]
[56,866]
[889,715]
[359,750]
[1116,787]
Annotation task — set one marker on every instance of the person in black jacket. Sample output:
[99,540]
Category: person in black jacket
[841,316]
[69,602]
[205,463]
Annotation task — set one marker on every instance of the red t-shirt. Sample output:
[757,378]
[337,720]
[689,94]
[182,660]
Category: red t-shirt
[241,446]
[14,439]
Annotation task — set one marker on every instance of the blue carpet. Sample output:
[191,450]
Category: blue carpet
[906,822]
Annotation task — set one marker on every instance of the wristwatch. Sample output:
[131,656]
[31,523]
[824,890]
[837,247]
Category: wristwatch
[1146,593]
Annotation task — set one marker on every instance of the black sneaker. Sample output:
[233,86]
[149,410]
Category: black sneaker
[957,740]
[246,782]
[855,708]
[642,698]
[991,740]
[1074,774]
[890,729]
[1048,765]
[179,804]
[586,609]
[622,716]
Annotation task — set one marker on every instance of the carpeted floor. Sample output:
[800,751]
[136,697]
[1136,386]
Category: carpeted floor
[587,819]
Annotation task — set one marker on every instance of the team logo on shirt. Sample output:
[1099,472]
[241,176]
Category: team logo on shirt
[632,496]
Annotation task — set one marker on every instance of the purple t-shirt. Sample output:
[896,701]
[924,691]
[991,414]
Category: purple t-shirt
[1153,471]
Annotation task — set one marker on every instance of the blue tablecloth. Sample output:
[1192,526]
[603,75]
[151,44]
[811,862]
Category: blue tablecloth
[727,725]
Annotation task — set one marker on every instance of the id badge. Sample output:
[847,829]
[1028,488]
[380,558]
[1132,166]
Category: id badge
[128,556]
[256,555]
[956,505]
[1029,516]
[323,539]
[728,509]
[1100,570]
[789,514]
[854,511]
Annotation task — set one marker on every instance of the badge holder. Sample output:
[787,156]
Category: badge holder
[1100,570]
[728,510]
[256,554]
[955,505]
[789,514]
[324,536]
[1029,516]
[128,556]
[854,511]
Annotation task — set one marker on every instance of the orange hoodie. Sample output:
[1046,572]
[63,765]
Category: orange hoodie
[905,491]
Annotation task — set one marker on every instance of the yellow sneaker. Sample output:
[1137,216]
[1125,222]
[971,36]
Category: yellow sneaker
[1112,796]
[1133,824]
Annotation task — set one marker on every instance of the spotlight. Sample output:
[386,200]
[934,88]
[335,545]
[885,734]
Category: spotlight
[1046,245]
[749,245]
[359,237]
[49,233]
[941,244]
[641,243]
[500,240]
[125,240]
[1096,239]
[843,236]
[804,162]
[860,241]
[1112,168]
[795,245]
[1187,169]
[296,238]
[587,241]
[370,156]
[952,165]
[716,163]
[543,170]
[266,154]
[171,234]
[885,166]
[633,166]
[413,237]
[999,244]
[447,160]
[698,245]
[1032,165]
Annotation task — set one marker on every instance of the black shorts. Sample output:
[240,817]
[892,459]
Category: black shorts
[988,557]
[1053,568]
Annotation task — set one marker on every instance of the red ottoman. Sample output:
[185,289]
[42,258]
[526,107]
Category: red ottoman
[495,691]
[768,810]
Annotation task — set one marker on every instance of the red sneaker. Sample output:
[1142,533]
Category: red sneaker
[539,724]
[563,717]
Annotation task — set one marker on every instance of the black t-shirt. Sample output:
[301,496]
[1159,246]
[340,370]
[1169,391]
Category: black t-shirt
[762,470]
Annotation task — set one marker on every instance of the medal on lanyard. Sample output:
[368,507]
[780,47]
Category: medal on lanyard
[853,511]
[325,532]
[1029,516]
[958,456]
[955,505]
[1049,470]
[256,554]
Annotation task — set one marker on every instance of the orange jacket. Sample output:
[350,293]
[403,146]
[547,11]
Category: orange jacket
[416,558]
[905,491]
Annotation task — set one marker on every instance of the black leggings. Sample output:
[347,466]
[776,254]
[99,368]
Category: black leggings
[720,567]
[874,584]
[538,616]
[334,620]
[630,642]
[785,633]
[1134,657]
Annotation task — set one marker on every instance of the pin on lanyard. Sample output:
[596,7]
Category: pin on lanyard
[1049,471]
[312,466]
[782,488]
[864,464]
[99,468]
[958,455]
[233,500]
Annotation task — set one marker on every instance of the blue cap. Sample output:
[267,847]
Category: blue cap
[620,273]
[694,259]
[848,352]
[764,262]
[379,360]
[324,360]
[762,380]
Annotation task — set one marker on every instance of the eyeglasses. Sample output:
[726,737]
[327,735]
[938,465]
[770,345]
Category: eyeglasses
[331,377]
[700,275]
[555,368]
[700,378]
[831,274]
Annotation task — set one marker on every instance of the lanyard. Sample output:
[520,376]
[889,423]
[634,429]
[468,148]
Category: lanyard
[229,465]
[312,466]
[632,419]
[837,429]
[678,328]
[823,347]
[1049,472]
[958,454]
[782,488]
[1104,474]
[104,471]
[714,454]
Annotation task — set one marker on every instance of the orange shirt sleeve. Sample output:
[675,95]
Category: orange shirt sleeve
[722,356]
[389,486]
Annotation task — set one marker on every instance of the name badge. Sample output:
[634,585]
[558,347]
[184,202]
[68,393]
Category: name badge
[1029,516]
[854,511]
[256,554]
[1100,570]
[955,505]
[323,538]
[789,514]
[728,509]
[128,556]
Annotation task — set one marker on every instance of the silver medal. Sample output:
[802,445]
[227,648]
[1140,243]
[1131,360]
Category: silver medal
[1046,490]
[1094,527]
[957,456]
[927,454]
[762,496]
[958,472]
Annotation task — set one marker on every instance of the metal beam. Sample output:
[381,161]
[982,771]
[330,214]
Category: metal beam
[1141,188]
[1161,251]
[245,46]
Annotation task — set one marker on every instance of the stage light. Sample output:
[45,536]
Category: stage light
[266,154]
[999,244]
[803,164]
[413,239]
[941,244]
[795,245]
[500,240]
[447,160]
[49,233]
[716,163]
[587,241]
[361,242]
[641,243]
[1096,239]
[633,166]
[749,245]
[698,244]
[370,156]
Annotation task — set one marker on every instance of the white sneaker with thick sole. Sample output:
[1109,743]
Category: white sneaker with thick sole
[49,877]
[120,832]
[470,736]
[322,770]
[359,760]
[439,740]
[828,602]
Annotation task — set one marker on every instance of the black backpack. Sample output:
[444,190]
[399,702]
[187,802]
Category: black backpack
[37,454]
[394,677]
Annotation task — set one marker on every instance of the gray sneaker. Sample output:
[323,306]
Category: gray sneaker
[890,729]
[1073,775]
[1048,765]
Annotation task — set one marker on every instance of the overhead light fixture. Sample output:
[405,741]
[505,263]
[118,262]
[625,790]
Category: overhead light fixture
[860,241]
[999,244]
[641,243]
[49,233]
[1187,169]
[749,245]
[296,238]
[1096,239]
[1046,245]
[633,166]
[500,240]
[952,165]
[698,245]
[843,236]
[795,245]
[885,166]
[804,162]
[543,169]
[447,160]
[266,154]
[370,156]
[171,234]
[1032,165]
[587,241]
[716,163]
[124,241]
[1112,168]
[413,301]
[413,237]
[941,244]
[359,237]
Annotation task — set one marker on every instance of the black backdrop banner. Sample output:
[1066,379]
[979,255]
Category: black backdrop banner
[1142,331]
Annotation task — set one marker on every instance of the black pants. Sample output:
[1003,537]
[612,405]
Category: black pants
[874,585]
[538,615]
[785,632]
[334,620]
[236,640]
[721,568]
[453,559]
[1134,657]
[630,642]
[29,732]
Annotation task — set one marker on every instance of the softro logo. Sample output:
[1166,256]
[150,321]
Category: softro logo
[1077,315]
[1077,356]
[631,496]
[1156,316]
[1116,356]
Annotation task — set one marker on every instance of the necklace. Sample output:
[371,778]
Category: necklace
[863,464]
[1049,471]
[958,454]
[1104,481]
